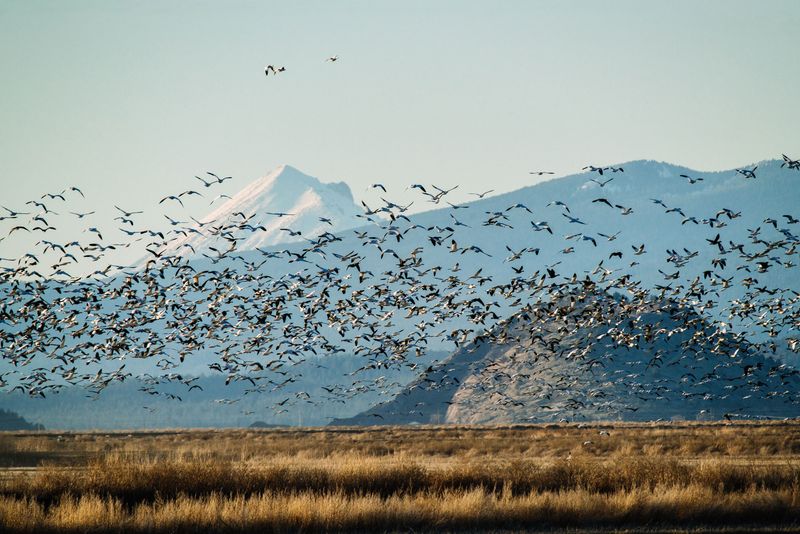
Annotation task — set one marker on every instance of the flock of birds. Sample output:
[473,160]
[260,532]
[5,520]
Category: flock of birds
[263,312]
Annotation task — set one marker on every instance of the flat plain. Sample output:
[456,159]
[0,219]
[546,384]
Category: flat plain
[652,477]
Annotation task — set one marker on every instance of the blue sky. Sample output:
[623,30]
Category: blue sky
[129,100]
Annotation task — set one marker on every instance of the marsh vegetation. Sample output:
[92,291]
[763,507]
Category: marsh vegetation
[710,476]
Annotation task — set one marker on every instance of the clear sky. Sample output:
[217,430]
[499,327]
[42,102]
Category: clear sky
[129,100]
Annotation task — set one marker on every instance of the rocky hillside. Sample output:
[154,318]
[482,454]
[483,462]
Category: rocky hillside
[662,362]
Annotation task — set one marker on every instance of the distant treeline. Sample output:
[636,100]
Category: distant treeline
[13,421]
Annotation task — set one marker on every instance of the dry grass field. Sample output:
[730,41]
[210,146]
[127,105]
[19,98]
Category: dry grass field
[629,477]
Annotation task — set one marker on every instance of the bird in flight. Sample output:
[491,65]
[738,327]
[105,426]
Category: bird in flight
[171,197]
[558,203]
[540,173]
[127,213]
[219,197]
[604,201]
[206,184]
[333,58]
[690,179]
[481,195]
[791,163]
[81,215]
[12,214]
[573,219]
[275,70]
[748,173]
[598,170]
[601,183]
[219,180]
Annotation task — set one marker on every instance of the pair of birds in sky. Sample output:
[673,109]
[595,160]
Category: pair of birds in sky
[275,70]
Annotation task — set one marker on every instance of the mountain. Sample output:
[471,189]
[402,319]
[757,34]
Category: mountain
[546,370]
[284,190]
[696,217]
[674,220]
[672,217]
[690,214]
[720,244]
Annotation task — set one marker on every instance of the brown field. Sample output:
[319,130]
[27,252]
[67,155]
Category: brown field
[630,477]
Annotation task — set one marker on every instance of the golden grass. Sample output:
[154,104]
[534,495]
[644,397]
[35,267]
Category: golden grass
[542,441]
[455,510]
[136,482]
[401,479]
[684,440]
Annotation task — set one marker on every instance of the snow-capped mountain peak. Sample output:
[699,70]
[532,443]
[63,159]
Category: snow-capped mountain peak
[306,205]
